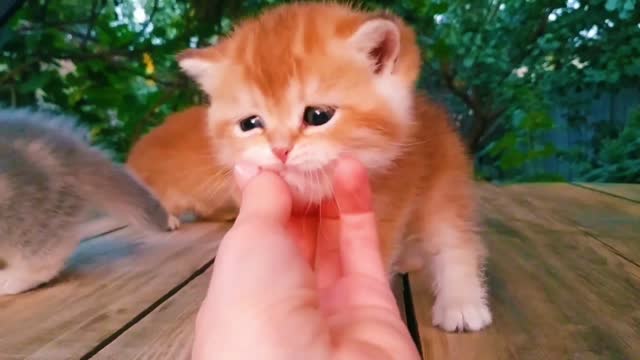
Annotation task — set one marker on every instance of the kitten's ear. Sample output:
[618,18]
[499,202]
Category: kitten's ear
[199,64]
[379,40]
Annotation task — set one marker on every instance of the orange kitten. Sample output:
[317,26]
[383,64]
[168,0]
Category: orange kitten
[175,161]
[302,84]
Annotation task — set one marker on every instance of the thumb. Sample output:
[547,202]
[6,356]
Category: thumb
[265,196]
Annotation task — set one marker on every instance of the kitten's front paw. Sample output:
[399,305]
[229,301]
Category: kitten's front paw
[174,223]
[465,315]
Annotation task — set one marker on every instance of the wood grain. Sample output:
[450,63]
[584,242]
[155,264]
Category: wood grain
[613,221]
[556,293]
[564,277]
[100,225]
[627,191]
[109,281]
[439,345]
[167,332]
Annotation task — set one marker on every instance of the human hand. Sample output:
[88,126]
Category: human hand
[297,283]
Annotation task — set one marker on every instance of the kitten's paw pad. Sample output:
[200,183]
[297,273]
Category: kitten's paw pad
[461,316]
[174,223]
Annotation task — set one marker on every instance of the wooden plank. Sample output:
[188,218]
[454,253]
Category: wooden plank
[109,281]
[100,225]
[167,333]
[613,221]
[556,293]
[439,345]
[627,191]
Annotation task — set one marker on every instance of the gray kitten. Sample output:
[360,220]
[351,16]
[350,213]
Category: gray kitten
[50,179]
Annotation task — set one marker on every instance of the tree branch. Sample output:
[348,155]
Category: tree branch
[92,22]
[117,60]
[498,112]
[488,123]
[64,23]
[449,79]
[491,129]
[43,11]
[63,28]
[483,119]
[539,31]
[114,58]
[17,70]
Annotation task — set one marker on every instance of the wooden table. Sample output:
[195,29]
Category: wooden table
[564,274]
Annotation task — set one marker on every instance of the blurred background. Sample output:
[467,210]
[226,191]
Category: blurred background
[540,90]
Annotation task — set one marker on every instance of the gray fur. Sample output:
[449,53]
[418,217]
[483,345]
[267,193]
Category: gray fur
[50,178]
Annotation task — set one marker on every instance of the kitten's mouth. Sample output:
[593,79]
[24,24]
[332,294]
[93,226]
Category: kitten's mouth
[324,170]
[312,185]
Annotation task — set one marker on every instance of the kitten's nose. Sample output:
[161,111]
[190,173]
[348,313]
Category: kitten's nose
[281,153]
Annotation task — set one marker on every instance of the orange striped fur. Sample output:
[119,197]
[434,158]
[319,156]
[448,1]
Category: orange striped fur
[175,160]
[365,66]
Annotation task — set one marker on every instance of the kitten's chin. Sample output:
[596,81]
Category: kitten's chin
[311,187]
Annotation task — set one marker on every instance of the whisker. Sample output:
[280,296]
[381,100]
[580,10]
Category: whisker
[320,234]
[331,189]
[308,206]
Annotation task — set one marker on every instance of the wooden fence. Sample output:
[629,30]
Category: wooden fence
[613,109]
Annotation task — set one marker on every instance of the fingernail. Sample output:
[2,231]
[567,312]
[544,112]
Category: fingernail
[244,173]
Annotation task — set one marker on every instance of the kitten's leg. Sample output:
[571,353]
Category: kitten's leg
[20,275]
[175,207]
[410,257]
[457,259]
[174,222]
[174,216]
[25,270]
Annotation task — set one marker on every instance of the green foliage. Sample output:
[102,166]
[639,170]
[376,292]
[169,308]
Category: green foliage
[500,66]
[522,148]
[93,60]
[619,157]
[624,8]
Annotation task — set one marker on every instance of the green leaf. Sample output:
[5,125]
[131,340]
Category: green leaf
[6,35]
[441,50]
[36,81]
[611,5]
[438,7]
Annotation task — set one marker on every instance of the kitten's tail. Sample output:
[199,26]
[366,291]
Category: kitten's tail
[95,177]
[120,193]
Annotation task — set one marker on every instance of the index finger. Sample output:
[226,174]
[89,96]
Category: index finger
[359,242]
[258,251]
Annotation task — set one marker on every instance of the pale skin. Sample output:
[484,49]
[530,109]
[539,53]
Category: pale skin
[294,282]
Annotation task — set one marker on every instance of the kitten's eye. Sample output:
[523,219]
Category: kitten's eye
[316,116]
[250,123]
